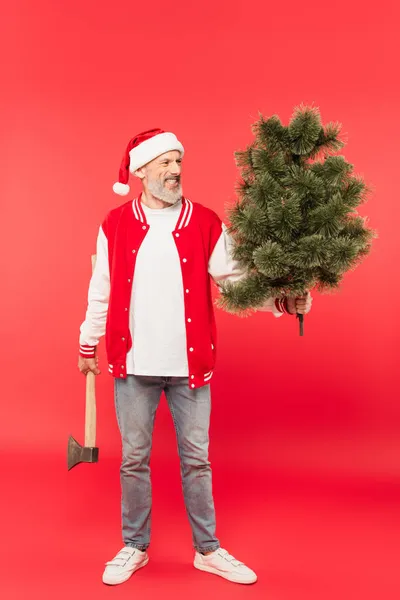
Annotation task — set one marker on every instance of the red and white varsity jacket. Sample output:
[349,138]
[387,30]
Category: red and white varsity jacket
[196,234]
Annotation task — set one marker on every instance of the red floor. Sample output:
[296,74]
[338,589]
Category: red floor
[306,537]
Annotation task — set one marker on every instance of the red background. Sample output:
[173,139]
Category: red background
[305,430]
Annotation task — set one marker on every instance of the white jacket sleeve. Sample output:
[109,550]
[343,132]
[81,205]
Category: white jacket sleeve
[94,325]
[222,267]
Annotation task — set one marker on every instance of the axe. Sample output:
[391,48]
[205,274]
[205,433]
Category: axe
[87,453]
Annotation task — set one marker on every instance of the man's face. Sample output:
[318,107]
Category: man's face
[162,177]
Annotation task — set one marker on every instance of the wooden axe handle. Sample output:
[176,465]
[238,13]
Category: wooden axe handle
[90,412]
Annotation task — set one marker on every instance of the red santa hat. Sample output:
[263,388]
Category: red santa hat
[141,149]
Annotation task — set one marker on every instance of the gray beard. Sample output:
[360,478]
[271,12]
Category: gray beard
[157,189]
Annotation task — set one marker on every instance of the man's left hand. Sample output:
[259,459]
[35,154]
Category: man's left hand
[300,304]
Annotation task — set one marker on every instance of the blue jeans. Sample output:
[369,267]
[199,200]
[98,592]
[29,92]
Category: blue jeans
[136,401]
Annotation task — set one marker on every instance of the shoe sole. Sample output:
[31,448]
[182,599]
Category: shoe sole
[229,576]
[126,577]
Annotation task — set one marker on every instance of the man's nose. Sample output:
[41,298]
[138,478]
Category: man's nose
[176,169]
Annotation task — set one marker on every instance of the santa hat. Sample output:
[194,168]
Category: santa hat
[141,149]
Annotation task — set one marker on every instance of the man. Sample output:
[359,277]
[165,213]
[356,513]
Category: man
[150,294]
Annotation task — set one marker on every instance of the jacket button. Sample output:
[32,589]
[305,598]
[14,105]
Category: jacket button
[192,386]
[123,339]
[129,280]
[187,291]
[184,260]
[121,375]
[192,377]
[126,308]
[191,349]
[122,367]
[212,346]
[177,235]
[144,227]
[189,320]
[133,251]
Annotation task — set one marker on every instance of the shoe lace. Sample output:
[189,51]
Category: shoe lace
[224,553]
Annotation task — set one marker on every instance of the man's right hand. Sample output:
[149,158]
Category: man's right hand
[88,364]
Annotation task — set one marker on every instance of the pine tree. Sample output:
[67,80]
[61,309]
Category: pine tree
[294,224]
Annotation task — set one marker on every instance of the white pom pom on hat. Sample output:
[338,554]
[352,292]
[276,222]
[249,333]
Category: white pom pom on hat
[140,150]
[121,188]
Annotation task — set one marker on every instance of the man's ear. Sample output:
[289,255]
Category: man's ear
[140,173]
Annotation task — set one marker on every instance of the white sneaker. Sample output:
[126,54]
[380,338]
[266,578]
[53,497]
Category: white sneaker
[124,564]
[221,563]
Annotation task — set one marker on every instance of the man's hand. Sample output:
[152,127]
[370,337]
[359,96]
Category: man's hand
[88,364]
[300,304]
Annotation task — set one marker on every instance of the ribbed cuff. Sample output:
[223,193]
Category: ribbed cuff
[87,351]
[281,305]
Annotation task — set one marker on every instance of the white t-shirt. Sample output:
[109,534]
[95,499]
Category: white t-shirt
[157,310]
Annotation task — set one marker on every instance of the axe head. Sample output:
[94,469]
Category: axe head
[78,453]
